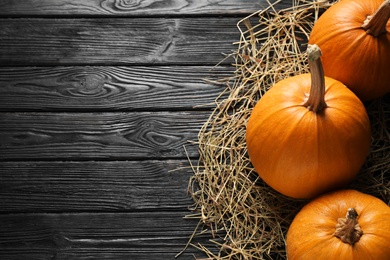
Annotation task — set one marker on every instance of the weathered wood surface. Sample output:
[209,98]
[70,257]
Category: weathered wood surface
[96,186]
[86,88]
[97,101]
[116,41]
[115,136]
[142,235]
[127,8]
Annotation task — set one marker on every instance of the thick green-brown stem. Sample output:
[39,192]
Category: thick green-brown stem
[348,229]
[316,100]
[376,24]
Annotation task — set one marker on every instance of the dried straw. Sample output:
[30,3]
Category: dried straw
[244,217]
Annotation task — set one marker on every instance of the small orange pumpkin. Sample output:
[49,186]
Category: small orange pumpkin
[354,36]
[345,224]
[308,134]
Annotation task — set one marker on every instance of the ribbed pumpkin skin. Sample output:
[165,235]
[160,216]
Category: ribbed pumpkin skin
[300,153]
[350,55]
[310,235]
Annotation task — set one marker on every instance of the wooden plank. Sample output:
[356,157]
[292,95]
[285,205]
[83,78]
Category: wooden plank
[155,235]
[127,8]
[116,41]
[102,253]
[109,88]
[115,136]
[94,186]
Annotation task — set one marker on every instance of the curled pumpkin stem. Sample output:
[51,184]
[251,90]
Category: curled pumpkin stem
[348,229]
[316,100]
[376,24]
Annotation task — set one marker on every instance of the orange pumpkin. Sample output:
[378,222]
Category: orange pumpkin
[354,36]
[345,224]
[307,136]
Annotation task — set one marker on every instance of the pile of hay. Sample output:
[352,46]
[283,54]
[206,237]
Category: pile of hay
[245,218]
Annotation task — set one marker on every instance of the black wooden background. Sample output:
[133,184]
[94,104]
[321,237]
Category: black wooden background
[97,100]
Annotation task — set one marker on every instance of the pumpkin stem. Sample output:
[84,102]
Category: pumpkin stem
[316,100]
[348,229]
[376,24]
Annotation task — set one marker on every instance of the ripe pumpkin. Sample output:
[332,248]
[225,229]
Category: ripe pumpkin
[354,36]
[308,134]
[344,224]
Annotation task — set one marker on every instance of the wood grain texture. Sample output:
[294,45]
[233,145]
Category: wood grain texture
[106,136]
[109,88]
[127,8]
[94,186]
[116,41]
[152,235]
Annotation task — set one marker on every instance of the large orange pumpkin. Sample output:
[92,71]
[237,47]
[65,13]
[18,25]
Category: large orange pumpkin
[307,138]
[345,224]
[355,42]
